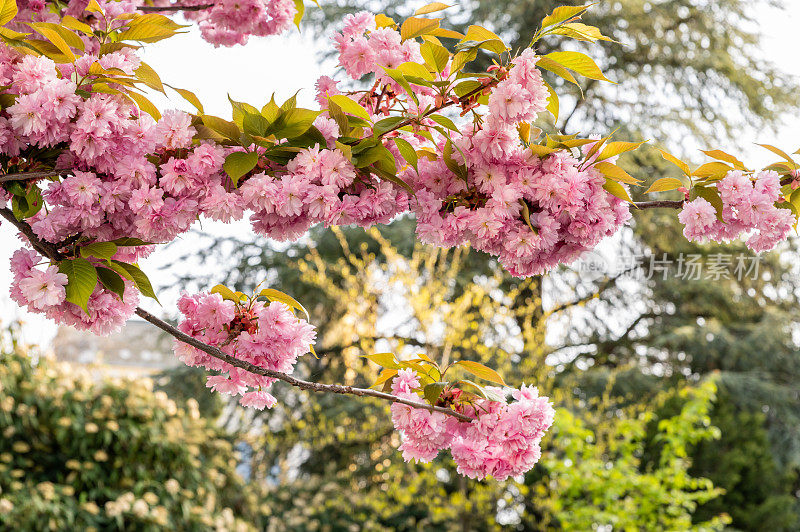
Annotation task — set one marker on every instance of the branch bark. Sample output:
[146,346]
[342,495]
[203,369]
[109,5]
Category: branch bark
[28,176]
[174,7]
[49,251]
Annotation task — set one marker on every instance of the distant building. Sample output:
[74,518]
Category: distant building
[137,349]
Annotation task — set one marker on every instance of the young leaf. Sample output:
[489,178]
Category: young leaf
[727,157]
[715,170]
[349,106]
[677,162]
[479,370]
[431,8]
[239,163]
[780,152]
[407,151]
[711,195]
[99,250]
[384,376]
[560,14]
[277,295]
[414,27]
[385,360]
[580,63]
[664,184]
[8,10]
[613,149]
[190,97]
[615,172]
[615,189]
[226,293]
[111,281]
[433,391]
[132,272]
[82,279]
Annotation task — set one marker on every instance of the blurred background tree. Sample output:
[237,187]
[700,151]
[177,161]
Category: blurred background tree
[685,69]
[82,453]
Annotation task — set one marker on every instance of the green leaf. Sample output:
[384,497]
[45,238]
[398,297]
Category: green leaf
[433,391]
[435,55]
[239,163]
[664,184]
[254,124]
[111,281]
[349,106]
[615,189]
[128,242]
[8,10]
[298,121]
[385,360]
[223,127]
[580,63]
[99,250]
[133,273]
[444,121]
[82,280]
[407,151]
[27,205]
[286,299]
[387,124]
[479,370]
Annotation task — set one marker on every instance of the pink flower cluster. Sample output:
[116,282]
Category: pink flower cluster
[320,185]
[231,22]
[42,291]
[365,49]
[502,441]
[568,211]
[269,336]
[748,208]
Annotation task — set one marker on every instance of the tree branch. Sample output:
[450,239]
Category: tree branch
[27,176]
[659,204]
[175,7]
[49,251]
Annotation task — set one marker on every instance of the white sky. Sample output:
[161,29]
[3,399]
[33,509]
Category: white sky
[288,63]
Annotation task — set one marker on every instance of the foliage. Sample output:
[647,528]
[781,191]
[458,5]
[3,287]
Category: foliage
[109,454]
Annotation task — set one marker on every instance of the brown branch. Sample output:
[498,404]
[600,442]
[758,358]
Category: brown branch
[298,383]
[28,176]
[49,251]
[175,7]
[659,204]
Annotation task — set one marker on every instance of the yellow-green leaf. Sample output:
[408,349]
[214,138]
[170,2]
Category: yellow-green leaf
[677,162]
[385,360]
[431,8]
[562,13]
[414,27]
[239,163]
[286,299]
[479,370]
[727,157]
[664,184]
[612,149]
[8,10]
[556,68]
[616,173]
[145,105]
[580,63]
[615,189]
[780,152]
[349,106]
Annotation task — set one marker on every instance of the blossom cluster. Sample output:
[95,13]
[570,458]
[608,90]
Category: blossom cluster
[41,288]
[531,212]
[503,440]
[320,185]
[269,336]
[748,207]
[221,22]
[231,22]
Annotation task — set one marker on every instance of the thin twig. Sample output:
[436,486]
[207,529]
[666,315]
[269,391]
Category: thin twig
[175,7]
[27,176]
[659,204]
[50,252]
